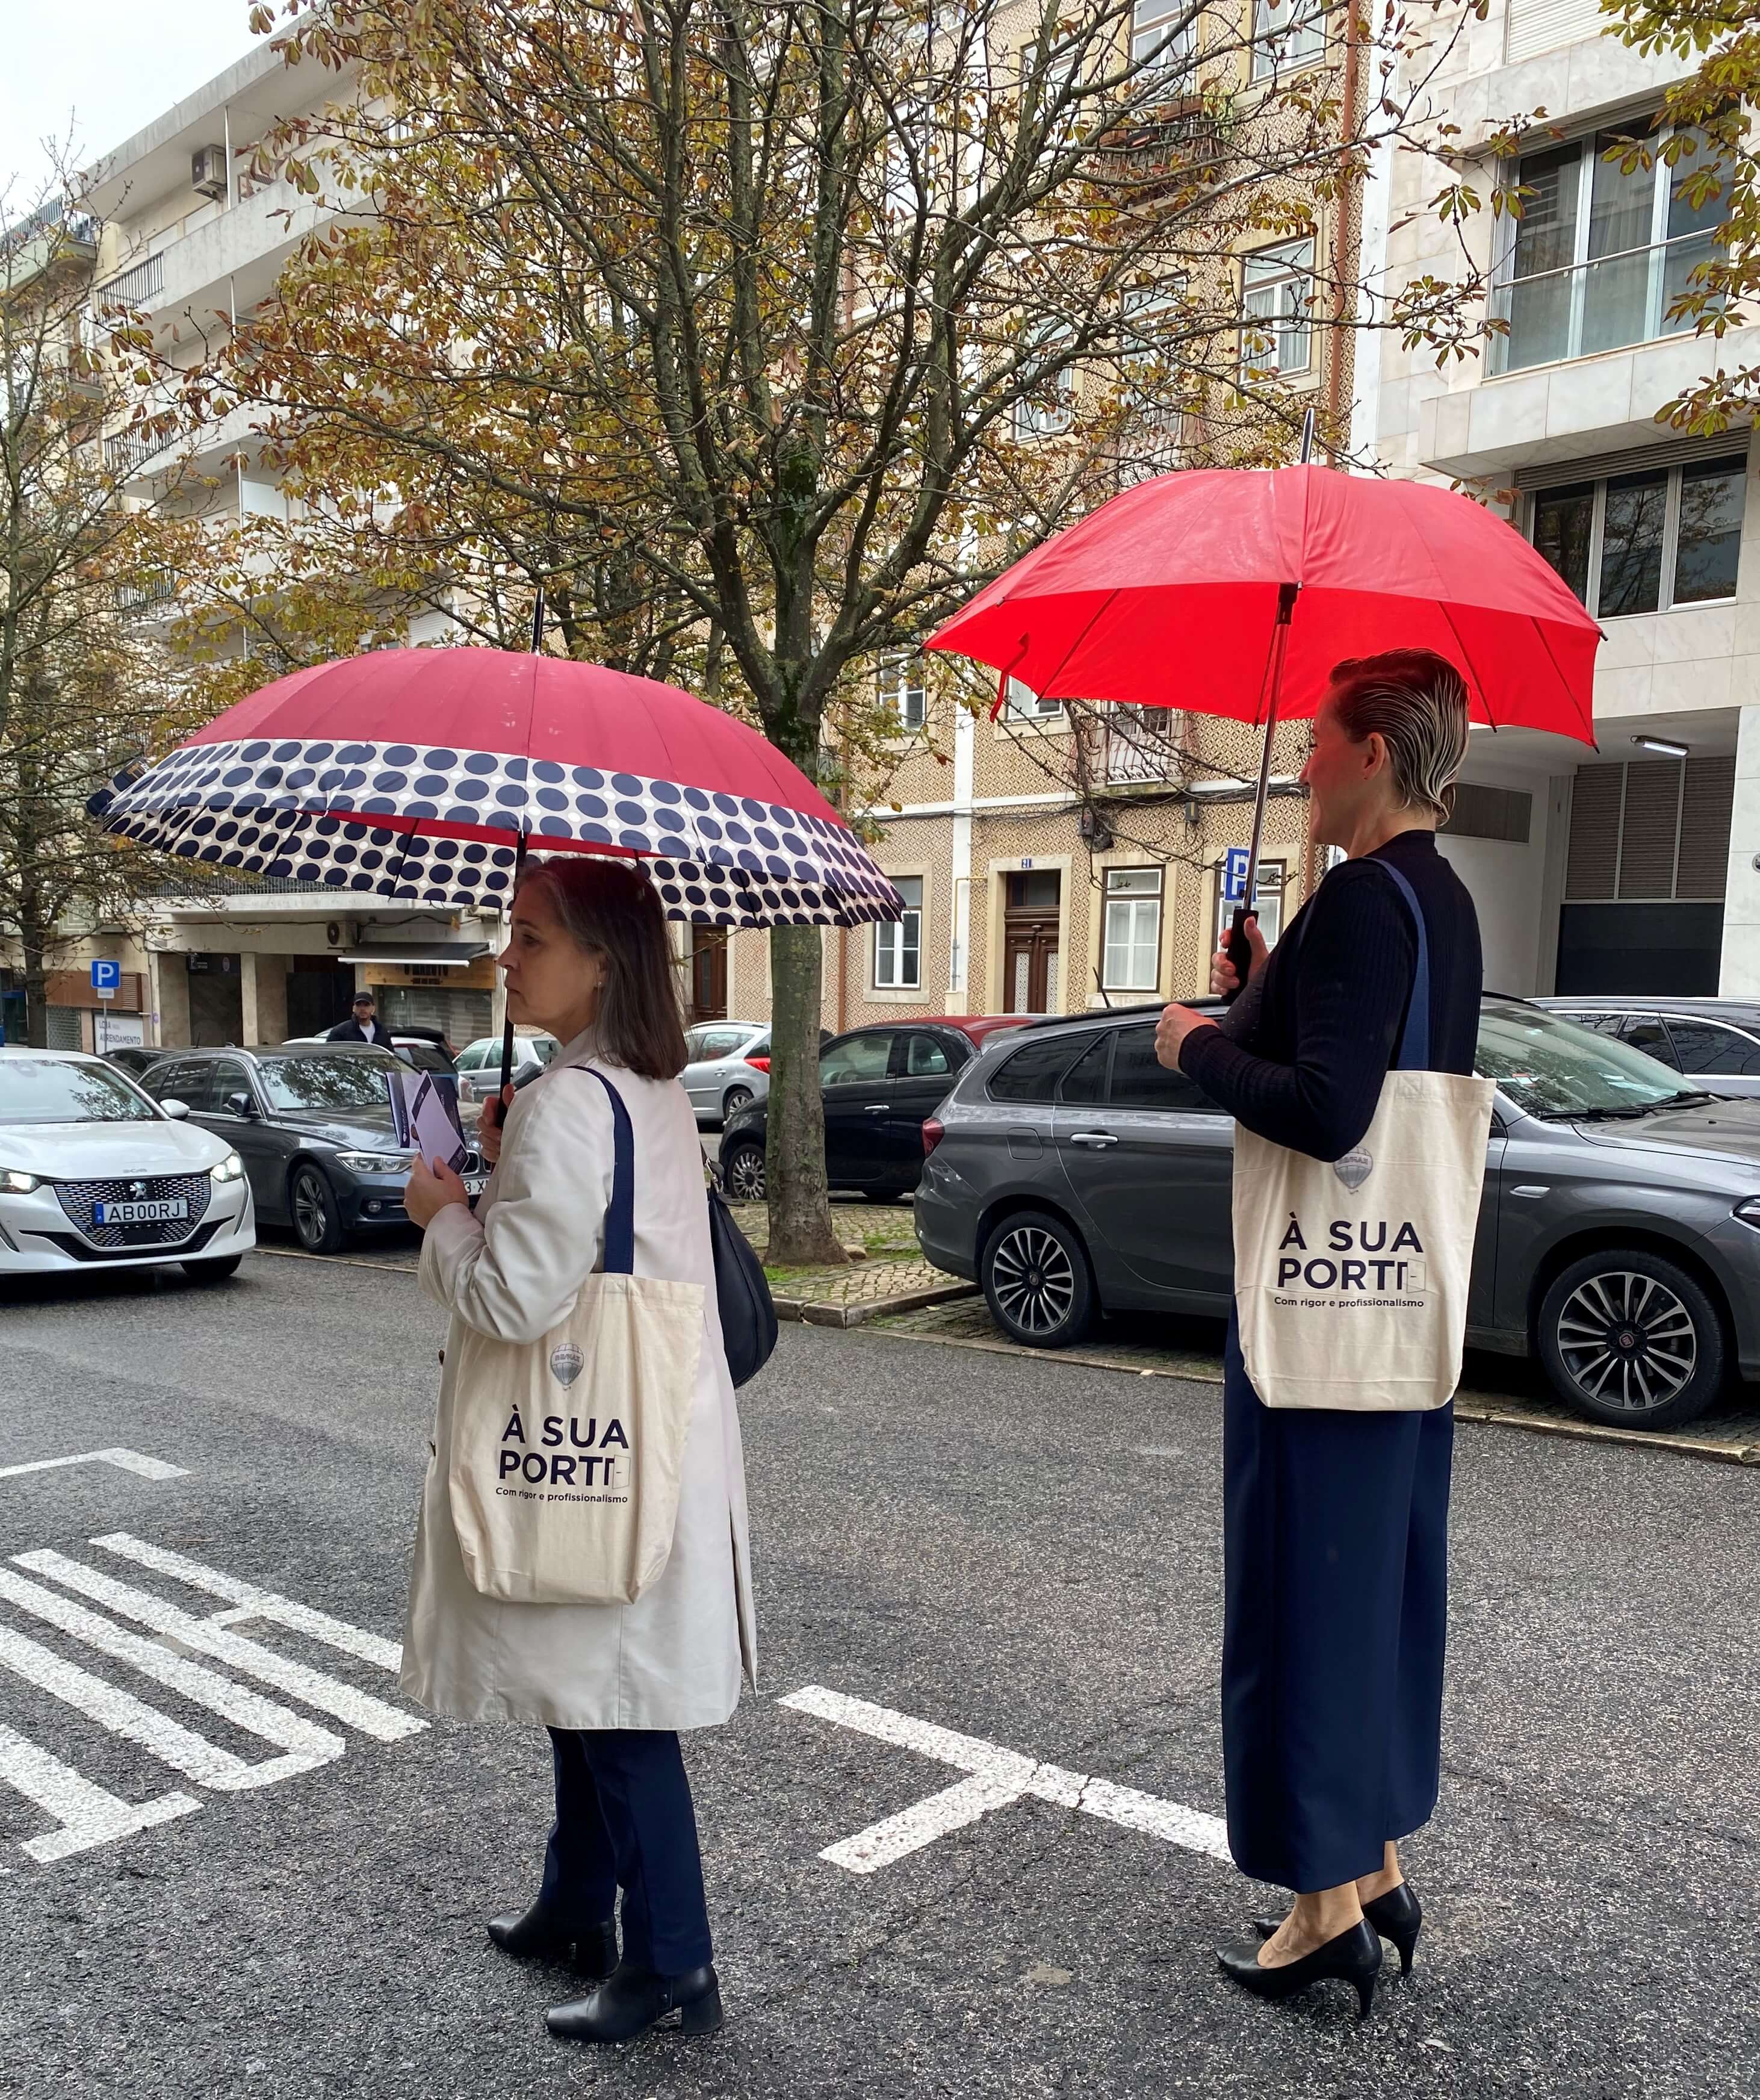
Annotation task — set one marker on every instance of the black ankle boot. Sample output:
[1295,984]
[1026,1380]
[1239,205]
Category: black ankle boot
[536,1935]
[635,2000]
[1397,1916]
[1353,1957]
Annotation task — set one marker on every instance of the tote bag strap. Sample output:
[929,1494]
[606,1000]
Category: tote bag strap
[620,1218]
[1414,1037]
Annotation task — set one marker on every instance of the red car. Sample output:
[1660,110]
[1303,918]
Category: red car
[881,1085]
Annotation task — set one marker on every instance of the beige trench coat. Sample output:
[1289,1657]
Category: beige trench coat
[673,1658]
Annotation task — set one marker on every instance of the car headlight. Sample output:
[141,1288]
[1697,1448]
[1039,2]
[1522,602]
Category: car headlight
[15,1182]
[375,1162]
[1748,1210]
[231,1168]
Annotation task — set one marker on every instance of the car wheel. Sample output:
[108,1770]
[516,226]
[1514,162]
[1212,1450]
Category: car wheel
[1628,1338]
[216,1271]
[317,1223]
[735,1101]
[1035,1278]
[743,1173]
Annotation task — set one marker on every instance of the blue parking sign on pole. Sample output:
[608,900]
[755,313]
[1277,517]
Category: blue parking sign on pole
[1234,874]
[106,979]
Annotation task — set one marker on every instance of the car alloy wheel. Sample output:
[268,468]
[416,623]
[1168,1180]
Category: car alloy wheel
[1035,1278]
[737,1099]
[315,1223]
[743,1174]
[1631,1339]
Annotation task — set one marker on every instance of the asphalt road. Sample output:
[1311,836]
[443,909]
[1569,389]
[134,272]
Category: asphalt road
[1026,1553]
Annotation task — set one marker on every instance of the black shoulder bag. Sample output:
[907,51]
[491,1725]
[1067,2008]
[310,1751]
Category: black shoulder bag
[742,1294]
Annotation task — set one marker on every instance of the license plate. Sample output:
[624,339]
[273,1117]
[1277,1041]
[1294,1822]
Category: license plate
[475,1184]
[160,1210]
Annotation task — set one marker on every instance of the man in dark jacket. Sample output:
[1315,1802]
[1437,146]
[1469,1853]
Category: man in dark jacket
[363,1026]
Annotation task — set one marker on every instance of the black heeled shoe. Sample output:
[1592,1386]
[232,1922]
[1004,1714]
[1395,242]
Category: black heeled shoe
[536,1934]
[635,2000]
[1353,1957]
[1397,1916]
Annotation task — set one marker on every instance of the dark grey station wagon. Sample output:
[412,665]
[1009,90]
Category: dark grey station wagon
[1619,1237]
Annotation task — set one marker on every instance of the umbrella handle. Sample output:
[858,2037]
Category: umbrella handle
[1238,949]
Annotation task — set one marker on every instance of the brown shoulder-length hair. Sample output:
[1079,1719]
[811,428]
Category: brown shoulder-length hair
[610,910]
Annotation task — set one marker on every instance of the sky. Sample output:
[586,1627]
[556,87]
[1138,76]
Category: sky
[104,67]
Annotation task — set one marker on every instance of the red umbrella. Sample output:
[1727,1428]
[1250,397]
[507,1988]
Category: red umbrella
[1234,594]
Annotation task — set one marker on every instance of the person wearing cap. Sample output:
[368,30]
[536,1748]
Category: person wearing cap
[363,1025]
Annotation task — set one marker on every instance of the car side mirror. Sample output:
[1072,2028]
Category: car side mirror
[241,1104]
[176,1109]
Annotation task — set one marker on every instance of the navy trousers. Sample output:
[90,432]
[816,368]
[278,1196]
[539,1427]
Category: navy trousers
[625,1820]
[1335,1570]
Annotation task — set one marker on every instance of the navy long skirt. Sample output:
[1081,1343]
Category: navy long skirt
[1335,1568]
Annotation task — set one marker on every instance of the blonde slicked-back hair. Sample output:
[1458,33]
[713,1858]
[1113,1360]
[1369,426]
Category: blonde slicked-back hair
[1416,701]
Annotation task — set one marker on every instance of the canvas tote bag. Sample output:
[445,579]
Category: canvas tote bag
[1351,1276]
[565,1452]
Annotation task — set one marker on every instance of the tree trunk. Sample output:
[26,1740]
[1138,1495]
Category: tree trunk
[794,1171]
[32,940]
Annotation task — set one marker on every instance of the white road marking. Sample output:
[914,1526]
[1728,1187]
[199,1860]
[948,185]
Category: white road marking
[131,1461]
[360,1709]
[306,1745]
[254,1603]
[998,1778]
[87,1814]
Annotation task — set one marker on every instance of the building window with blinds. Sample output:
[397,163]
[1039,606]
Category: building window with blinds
[903,695]
[1602,250]
[1287,34]
[1647,541]
[1132,933]
[1275,295]
[898,946]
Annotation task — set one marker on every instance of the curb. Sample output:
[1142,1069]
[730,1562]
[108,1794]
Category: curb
[823,1314]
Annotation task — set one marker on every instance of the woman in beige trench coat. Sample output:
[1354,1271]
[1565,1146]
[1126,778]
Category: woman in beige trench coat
[587,960]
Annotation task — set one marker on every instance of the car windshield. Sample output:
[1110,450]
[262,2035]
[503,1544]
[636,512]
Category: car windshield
[1551,1067]
[424,1056]
[346,1079]
[35,1090]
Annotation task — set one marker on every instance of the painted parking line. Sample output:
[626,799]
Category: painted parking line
[130,1462]
[996,1778]
[85,1815]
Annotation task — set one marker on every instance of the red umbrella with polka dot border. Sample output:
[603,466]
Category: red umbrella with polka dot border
[423,774]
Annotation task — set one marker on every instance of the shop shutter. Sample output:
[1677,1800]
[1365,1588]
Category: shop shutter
[62,1027]
[1706,799]
[1594,854]
[1652,827]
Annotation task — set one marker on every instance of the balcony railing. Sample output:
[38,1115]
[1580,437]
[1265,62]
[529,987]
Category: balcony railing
[1603,305]
[138,287]
[1136,746]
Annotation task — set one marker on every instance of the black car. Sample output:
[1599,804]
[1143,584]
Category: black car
[313,1126]
[881,1085]
[134,1058]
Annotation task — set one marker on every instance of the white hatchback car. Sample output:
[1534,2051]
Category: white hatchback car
[95,1173]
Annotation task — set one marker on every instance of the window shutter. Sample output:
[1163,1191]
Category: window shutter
[1705,800]
[1652,826]
[1543,25]
[1594,834]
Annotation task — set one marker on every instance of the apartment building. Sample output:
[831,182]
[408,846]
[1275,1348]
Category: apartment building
[1635,866]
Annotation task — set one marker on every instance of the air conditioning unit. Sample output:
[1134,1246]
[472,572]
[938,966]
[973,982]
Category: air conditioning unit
[207,171]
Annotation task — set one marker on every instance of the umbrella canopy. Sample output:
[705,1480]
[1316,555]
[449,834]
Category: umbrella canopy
[419,773]
[1168,595]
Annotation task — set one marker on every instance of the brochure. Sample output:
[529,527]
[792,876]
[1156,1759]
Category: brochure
[425,1110]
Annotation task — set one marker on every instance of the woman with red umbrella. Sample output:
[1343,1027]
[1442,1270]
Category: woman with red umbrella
[1336,1522]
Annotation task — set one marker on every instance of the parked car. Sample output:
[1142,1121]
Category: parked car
[133,1058]
[728,1065]
[423,1048]
[479,1064]
[1715,1042]
[1618,1236]
[93,1171]
[313,1126]
[879,1086]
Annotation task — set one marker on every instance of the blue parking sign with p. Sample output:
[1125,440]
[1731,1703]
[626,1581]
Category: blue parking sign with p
[106,977]
[1234,874]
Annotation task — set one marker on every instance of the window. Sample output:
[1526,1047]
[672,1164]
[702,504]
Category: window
[1268,886]
[1151,376]
[1713,1046]
[1163,34]
[719,1042]
[1132,933]
[858,1061]
[227,1076]
[1047,408]
[1287,34]
[926,1058]
[1652,1037]
[898,947]
[41,1090]
[1276,291]
[1600,252]
[1646,541]
[1025,705]
[903,693]
[1086,1078]
[1140,1081]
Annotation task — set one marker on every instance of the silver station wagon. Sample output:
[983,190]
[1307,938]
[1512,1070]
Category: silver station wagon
[1619,1237]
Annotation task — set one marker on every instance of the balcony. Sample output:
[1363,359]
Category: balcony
[138,287]
[1588,307]
[1136,746]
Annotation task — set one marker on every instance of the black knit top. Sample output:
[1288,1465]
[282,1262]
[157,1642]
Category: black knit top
[1317,1041]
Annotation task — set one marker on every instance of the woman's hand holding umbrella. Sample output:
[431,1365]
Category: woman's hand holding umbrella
[1177,1022]
[489,1122]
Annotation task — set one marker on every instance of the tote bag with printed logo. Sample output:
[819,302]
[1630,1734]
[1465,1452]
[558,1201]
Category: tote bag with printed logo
[566,1456]
[1351,1276]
